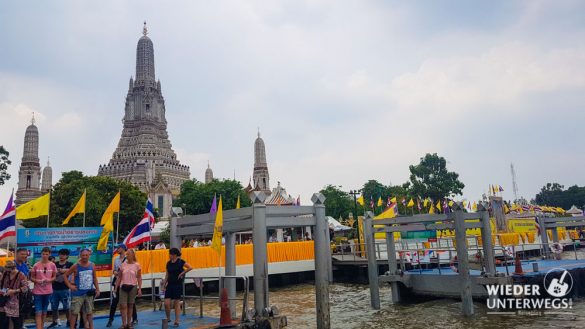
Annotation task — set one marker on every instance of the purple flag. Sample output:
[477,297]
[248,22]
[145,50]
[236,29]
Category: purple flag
[213,209]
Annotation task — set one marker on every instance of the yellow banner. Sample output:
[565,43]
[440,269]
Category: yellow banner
[522,225]
[469,231]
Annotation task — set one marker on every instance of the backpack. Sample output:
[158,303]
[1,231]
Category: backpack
[25,303]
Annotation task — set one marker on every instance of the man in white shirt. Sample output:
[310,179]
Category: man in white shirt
[160,245]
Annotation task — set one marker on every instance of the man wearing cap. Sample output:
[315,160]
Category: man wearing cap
[121,250]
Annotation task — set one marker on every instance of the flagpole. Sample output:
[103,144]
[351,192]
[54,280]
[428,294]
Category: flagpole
[118,222]
[85,205]
[49,210]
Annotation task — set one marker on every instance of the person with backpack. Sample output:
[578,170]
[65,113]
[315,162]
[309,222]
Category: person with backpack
[61,294]
[84,289]
[129,284]
[42,275]
[12,284]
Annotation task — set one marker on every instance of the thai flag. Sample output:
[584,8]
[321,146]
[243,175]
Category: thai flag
[141,232]
[8,220]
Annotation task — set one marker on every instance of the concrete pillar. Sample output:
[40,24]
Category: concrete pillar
[230,270]
[498,211]
[279,235]
[392,266]
[329,263]
[175,240]
[322,259]
[555,234]
[259,248]
[462,258]
[486,238]
[372,262]
[543,237]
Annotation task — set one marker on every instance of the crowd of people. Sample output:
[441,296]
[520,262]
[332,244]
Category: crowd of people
[74,287]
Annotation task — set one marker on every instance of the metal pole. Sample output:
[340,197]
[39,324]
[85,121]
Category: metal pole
[372,262]
[259,249]
[462,258]
[486,240]
[322,262]
[543,236]
[392,265]
[230,270]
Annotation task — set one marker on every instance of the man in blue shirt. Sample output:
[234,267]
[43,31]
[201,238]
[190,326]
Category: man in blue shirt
[21,264]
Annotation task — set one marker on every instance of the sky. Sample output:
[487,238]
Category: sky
[342,91]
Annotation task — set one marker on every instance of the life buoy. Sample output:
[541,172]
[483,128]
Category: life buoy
[453,264]
[557,248]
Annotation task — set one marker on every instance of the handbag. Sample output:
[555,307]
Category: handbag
[127,287]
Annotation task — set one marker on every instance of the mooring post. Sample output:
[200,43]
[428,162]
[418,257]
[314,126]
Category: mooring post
[462,259]
[372,262]
[486,240]
[322,259]
[175,240]
[555,234]
[230,270]
[543,237]
[329,263]
[259,249]
[392,265]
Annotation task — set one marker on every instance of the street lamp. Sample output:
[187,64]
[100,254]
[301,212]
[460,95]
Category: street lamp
[355,193]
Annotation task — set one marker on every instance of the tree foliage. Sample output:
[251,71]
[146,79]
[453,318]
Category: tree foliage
[4,162]
[197,196]
[430,178]
[100,192]
[554,194]
[339,203]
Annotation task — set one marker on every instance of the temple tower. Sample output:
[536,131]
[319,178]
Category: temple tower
[29,174]
[208,174]
[47,179]
[144,151]
[260,176]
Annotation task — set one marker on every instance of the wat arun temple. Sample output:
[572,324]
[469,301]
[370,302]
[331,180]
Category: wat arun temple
[144,156]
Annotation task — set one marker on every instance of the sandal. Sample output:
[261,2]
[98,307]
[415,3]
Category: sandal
[176,324]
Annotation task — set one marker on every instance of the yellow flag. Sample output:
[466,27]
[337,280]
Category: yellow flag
[360,200]
[78,209]
[464,204]
[410,203]
[426,202]
[439,205]
[380,201]
[506,209]
[451,203]
[108,222]
[34,208]
[393,200]
[432,210]
[237,203]
[218,229]
[474,207]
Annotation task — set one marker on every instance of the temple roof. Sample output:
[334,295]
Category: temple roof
[279,197]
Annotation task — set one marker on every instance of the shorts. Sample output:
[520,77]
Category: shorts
[42,303]
[60,296]
[82,303]
[174,291]
[127,297]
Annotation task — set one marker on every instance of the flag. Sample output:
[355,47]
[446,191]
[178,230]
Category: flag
[217,228]
[390,212]
[432,209]
[238,202]
[446,209]
[380,203]
[360,200]
[393,200]
[108,222]
[410,203]
[371,202]
[501,189]
[506,209]
[439,205]
[418,204]
[469,205]
[299,200]
[426,202]
[8,220]
[404,201]
[474,207]
[34,208]
[451,203]
[141,232]
[78,209]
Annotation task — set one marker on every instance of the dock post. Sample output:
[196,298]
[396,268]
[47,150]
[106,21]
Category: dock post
[486,240]
[543,237]
[259,250]
[322,259]
[372,262]
[392,265]
[230,270]
[175,240]
[462,258]
[555,234]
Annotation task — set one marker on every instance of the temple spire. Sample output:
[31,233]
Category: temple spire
[32,121]
[145,29]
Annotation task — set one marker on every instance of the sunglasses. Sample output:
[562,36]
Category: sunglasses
[45,270]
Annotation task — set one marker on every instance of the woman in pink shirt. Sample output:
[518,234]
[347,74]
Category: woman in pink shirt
[130,281]
[42,275]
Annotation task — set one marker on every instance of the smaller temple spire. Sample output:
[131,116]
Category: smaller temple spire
[145,29]
[32,121]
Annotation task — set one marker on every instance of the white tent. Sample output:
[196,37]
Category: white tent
[337,226]
[575,211]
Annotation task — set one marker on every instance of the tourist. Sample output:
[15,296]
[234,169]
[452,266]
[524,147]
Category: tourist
[160,245]
[42,275]
[21,261]
[129,285]
[13,283]
[60,290]
[121,250]
[84,289]
[176,270]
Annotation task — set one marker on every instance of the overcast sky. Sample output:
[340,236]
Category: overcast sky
[343,91]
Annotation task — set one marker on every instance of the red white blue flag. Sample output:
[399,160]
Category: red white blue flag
[8,220]
[141,232]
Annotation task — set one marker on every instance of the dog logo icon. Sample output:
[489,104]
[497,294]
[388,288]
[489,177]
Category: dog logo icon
[558,287]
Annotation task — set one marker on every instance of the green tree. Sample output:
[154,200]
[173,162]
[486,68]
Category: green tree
[554,194]
[339,203]
[430,178]
[100,191]
[198,196]
[4,162]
